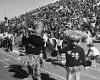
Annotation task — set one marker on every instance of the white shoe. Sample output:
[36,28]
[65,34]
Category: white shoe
[86,68]
[93,66]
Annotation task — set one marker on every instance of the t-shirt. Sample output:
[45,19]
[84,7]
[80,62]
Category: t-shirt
[89,40]
[75,57]
[94,51]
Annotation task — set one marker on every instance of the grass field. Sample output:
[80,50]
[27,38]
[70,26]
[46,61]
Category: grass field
[49,72]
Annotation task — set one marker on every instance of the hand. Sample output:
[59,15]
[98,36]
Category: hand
[41,55]
[63,62]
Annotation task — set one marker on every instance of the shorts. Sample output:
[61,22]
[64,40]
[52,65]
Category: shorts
[75,69]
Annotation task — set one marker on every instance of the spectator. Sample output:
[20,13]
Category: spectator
[93,54]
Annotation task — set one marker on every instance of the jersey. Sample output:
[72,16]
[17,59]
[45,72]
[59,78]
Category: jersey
[75,57]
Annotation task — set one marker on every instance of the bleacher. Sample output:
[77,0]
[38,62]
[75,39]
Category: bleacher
[57,16]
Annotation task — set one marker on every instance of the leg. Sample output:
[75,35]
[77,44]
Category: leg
[44,53]
[69,76]
[37,73]
[94,58]
[77,75]
[30,70]
[93,63]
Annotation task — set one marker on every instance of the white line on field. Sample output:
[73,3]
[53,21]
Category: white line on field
[90,76]
[7,59]
[4,62]
[7,65]
[9,55]
[94,69]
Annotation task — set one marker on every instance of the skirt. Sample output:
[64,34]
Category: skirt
[31,60]
[75,69]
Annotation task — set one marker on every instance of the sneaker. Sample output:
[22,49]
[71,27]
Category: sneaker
[86,68]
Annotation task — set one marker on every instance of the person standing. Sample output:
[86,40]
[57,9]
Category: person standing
[34,52]
[75,60]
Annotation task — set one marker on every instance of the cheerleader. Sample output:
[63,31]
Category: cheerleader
[75,61]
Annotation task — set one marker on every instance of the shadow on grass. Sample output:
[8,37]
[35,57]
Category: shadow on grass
[96,41]
[22,74]
[18,71]
[46,77]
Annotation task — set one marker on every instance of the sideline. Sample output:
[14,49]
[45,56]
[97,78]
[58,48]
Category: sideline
[95,69]
[4,62]
[90,76]
[10,55]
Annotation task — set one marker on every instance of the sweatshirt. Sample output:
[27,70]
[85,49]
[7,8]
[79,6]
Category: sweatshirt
[75,57]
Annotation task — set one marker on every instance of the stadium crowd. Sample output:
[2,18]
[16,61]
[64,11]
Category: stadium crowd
[63,14]
[58,21]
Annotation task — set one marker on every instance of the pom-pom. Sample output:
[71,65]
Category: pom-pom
[74,34]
